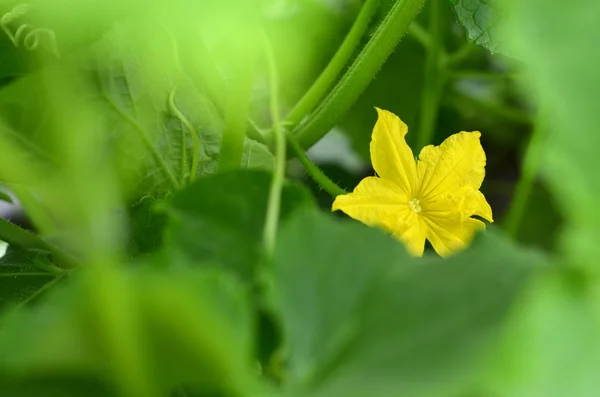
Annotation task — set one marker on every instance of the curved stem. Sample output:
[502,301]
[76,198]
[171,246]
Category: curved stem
[323,83]
[274,204]
[430,101]
[16,235]
[360,73]
[314,171]
[526,182]
[192,131]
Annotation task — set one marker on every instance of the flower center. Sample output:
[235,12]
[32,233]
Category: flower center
[415,205]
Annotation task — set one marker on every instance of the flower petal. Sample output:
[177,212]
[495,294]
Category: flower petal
[392,158]
[459,205]
[375,202]
[413,235]
[448,236]
[459,161]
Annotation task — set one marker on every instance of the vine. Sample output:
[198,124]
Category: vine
[25,34]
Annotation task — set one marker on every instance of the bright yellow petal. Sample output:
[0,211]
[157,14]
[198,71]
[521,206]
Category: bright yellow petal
[448,236]
[413,235]
[392,158]
[375,202]
[382,203]
[459,205]
[459,161]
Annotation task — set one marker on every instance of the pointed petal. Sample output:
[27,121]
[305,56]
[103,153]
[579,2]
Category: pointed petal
[448,236]
[392,158]
[459,205]
[375,202]
[459,161]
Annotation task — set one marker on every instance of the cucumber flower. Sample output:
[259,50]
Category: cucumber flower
[433,197]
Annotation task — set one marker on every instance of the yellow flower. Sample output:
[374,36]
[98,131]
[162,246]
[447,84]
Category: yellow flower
[431,198]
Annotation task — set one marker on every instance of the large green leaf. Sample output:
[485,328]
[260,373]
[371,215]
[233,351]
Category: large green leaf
[562,75]
[194,329]
[482,21]
[363,318]
[219,220]
[556,323]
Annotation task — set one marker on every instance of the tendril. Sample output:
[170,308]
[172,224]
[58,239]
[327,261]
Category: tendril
[26,35]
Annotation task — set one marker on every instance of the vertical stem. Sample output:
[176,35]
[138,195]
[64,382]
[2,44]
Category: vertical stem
[360,73]
[274,204]
[237,108]
[430,100]
[529,170]
[312,97]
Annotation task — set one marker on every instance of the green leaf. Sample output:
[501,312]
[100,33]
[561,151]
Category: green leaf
[19,277]
[556,323]
[481,20]
[356,308]
[147,226]
[219,220]
[561,73]
[196,329]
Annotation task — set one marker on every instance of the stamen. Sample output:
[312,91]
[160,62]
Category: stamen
[415,205]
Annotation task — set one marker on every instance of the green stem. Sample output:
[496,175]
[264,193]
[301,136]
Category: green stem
[420,34]
[480,75]
[313,170]
[461,54]
[192,131]
[117,313]
[155,155]
[13,234]
[237,109]
[529,171]
[312,97]
[430,100]
[274,204]
[360,73]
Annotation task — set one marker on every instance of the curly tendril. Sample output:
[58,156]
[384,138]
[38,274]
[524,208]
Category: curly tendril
[25,34]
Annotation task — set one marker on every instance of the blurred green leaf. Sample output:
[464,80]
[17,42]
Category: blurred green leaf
[197,328]
[147,227]
[481,20]
[561,74]
[219,220]
[357,308]
[19,277]
[556,323]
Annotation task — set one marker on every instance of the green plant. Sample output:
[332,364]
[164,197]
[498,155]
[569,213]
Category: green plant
[174,250]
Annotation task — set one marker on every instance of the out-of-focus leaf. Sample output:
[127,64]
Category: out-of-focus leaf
[219,220]
[556,323]
[561,72]
[146,227]
[196,327]
[19,278]
[481,19]
[363,318]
